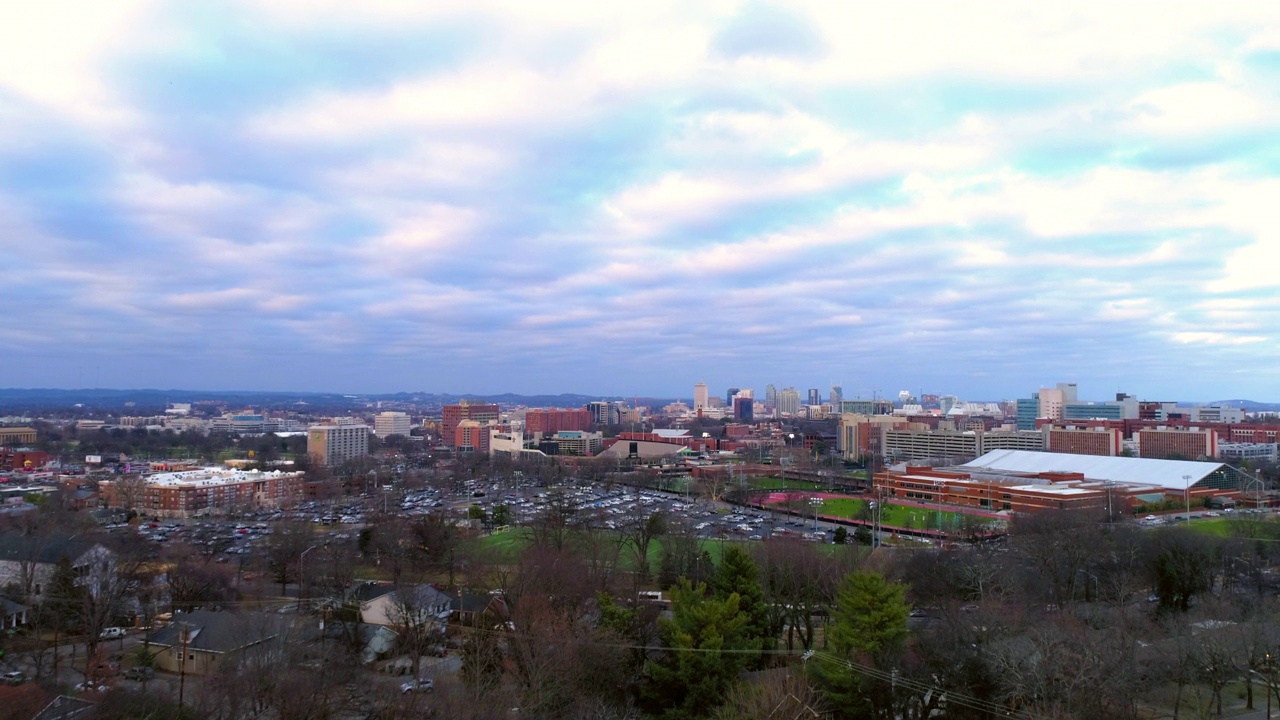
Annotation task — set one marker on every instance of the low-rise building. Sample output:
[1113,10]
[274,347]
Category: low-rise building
[571,442]
[207,490]
[15,436]
[197,643]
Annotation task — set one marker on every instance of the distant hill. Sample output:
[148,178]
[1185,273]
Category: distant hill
[148,400]
[1248,405]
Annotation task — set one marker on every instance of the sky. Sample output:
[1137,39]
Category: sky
[976,198]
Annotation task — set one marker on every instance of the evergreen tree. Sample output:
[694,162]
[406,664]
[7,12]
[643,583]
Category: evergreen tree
[739,574]
[869,626]
[707,645]
[64,598]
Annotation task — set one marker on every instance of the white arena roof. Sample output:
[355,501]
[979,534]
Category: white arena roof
[1168,474]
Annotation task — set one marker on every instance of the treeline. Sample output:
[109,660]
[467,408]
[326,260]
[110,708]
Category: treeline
[1070,617]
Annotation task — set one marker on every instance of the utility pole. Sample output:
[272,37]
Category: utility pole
[182,664]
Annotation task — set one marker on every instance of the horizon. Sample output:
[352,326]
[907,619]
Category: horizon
[381,195]
[623,396]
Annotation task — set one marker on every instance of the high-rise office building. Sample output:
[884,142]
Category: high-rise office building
[836,397]
[770,396]
[1028,411]
[606,412]
[815,398]
[386,424]
[1052,400]
[789,402]
[331,445]
[744,408]
[700,397]
[728,396]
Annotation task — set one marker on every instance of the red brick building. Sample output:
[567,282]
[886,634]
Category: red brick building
[22,459]
[192,492]
[551,421]
[473,436]
[1099,441]
[1177,444]
[451,415]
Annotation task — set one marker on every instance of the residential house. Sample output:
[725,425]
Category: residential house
[384,604]
[27,562]
[12,614]
[196,643]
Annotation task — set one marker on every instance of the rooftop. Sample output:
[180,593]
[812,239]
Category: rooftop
[213,476]
[1167,474]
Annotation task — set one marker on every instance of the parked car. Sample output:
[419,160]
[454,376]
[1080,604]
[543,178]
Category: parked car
[17,677]
[419,685]
[90,685]
[140,673]
[111,633]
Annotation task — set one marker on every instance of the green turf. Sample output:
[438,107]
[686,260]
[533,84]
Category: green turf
[1248,526]
[894,515]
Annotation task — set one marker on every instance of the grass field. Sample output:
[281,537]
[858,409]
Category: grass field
[1250,526]
[506,546]
[893,515]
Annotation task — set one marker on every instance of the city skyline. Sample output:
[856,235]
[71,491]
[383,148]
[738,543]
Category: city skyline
[623,201]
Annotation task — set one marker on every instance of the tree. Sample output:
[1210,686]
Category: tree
[799,583]
[682,556]
[194,581]
[414,617]
[739,575]
[1181,567]
[500,516]
[841,535]
[870,616]
[640,532]
[553,525]
[284,552]
[869,626]
[704,642]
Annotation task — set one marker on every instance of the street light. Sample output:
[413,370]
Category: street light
[1186,494]
[302,573]
[1266,681]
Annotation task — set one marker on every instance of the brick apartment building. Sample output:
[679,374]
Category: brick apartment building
[544,423]
[474,436]
[1097,441]
[1177,443]
[451,415]
[193,492]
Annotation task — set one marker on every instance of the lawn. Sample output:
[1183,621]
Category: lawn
[507,545]
[893,515]
[1251,526]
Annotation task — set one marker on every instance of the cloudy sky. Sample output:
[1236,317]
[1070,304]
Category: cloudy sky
[975,198]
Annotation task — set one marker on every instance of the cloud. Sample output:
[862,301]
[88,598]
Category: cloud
[572,197]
